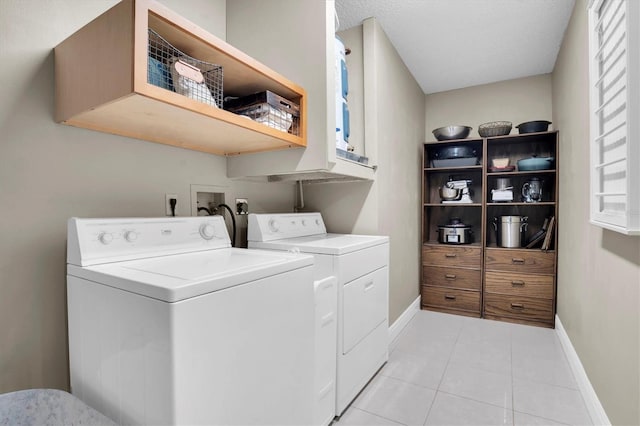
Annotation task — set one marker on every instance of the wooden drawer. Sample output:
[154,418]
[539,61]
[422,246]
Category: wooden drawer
[450,255]
[521,261]
[451,298]
[519,284]
[452,277]
[519,307]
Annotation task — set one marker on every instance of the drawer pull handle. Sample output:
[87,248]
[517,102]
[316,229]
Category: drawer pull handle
[368,286]
[450,276]
[517,260]
[517,306]
[517,283]
[450,255]
[449,297]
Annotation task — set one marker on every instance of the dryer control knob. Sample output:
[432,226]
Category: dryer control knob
[105,238]
[131,236]
[274,226]
[207,231]
[304,222]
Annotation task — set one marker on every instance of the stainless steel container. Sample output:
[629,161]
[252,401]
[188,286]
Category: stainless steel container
[510,230]
[503,183]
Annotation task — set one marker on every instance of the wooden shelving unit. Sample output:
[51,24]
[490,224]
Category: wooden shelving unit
[508,284]
[101,84]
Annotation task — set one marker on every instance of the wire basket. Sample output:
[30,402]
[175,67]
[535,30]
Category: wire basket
[269,109]
[174,70]
[494,128]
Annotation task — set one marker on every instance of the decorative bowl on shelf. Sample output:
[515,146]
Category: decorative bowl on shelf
[494,128]
[500,163]
[451,132]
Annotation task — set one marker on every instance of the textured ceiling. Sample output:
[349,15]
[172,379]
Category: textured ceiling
[451,44]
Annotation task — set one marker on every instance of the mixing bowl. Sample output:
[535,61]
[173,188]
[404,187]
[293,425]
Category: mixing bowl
[451,132]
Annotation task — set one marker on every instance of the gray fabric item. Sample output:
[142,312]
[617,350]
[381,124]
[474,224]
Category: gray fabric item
[47,407]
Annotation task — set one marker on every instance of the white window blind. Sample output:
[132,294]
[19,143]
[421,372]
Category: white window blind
[615,154]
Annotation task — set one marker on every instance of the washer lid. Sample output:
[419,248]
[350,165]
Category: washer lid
[333,244]
[182,276]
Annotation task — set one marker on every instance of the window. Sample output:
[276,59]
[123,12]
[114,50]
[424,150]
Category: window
[614,75]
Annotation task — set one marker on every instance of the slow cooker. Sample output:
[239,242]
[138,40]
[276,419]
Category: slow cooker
[455,232]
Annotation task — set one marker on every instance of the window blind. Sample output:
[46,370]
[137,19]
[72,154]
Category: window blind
[613,203]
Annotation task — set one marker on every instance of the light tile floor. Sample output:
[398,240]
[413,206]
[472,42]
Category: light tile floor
[452,370]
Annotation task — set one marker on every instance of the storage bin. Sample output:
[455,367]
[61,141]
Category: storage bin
[269,109]
[174,70]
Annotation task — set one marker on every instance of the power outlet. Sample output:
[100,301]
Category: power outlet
[167,203]
[242,206]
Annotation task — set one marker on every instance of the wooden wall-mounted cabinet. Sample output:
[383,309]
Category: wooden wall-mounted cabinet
[102,84]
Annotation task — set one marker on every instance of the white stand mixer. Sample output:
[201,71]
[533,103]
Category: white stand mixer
[462,185]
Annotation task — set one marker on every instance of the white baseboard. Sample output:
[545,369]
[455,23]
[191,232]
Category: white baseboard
[596,411]
[401,322]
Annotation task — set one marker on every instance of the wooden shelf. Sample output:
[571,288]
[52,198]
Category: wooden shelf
[516,249]
[452,205]
[453,169]
[101,84]
[436,243]
[521,173]
[456,141]
[522,137]
[509,203]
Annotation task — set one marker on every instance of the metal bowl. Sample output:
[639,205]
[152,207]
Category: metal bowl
[448,193]
[451,132]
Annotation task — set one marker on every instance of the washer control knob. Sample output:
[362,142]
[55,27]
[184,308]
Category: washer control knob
[105,238]
[130,236]
[304,222]
[207,231]
[274,225]
[317,222]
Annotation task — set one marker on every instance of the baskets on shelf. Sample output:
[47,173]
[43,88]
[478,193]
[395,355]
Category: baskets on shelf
[269,109]
[494,128]
[174,70]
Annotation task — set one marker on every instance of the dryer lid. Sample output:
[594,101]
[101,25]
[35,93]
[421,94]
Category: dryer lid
[332,244]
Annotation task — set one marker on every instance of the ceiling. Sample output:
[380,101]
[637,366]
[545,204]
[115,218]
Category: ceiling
[452,44]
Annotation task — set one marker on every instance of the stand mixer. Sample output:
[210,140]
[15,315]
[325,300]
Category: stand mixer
[463,186]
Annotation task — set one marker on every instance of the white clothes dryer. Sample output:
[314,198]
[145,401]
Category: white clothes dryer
[170,325]
[360,264]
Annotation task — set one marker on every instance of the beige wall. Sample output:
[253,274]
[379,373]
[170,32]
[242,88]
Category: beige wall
[519,100]
[391,205]
[50,172]
[599,270]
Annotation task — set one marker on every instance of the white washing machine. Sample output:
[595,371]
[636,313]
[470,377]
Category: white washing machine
[170,325]
[360,264]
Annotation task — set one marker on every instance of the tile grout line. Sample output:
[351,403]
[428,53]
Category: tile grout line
[443,374]
[381,417]
[475,400]
[513,389]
